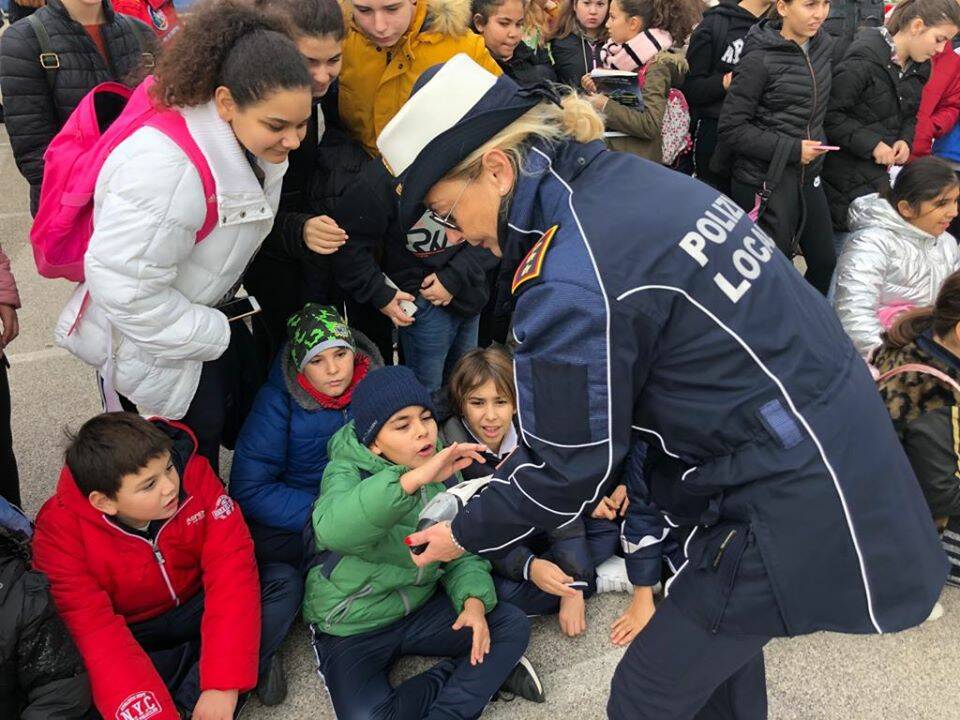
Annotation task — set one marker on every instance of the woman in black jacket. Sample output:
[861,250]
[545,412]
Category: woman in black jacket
[576,49]
[876,94]
[715,49]
[771,127]
[87,45]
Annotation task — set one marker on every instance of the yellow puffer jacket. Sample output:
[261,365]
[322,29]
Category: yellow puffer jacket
[374,82]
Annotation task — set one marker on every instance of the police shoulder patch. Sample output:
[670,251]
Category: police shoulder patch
[532,265]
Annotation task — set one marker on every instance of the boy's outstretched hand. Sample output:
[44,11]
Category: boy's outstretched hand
[442,466]
[215,705]
[635,618]
[474,616]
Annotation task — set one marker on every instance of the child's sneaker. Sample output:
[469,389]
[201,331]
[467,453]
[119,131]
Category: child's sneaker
[272,685]
[522,682]
[935,614]
[612,576]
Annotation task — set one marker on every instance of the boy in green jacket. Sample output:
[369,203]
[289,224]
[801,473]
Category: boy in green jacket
[366,601]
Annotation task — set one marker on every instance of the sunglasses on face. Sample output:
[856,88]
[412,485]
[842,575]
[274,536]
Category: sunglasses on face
[446,220]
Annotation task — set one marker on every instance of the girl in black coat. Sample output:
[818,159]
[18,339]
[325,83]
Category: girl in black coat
[576,49]
[771,129]
[715,49]
[38,101]
[293,266]
[876,94]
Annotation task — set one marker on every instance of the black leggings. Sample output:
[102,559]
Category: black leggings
[9,477]
[797,215]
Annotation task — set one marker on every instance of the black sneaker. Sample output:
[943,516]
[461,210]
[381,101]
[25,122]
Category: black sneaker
[272,685]
[523,682]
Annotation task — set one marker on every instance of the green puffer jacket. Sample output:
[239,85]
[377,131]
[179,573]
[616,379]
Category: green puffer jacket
[363,515]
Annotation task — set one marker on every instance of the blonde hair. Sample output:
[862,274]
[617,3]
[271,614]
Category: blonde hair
[574,119]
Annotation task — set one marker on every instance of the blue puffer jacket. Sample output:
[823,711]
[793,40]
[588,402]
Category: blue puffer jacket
[282,449]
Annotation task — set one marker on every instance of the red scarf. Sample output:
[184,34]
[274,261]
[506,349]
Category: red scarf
[360,367]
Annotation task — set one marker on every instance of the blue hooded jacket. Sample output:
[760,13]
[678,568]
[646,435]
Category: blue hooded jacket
[647,302]
[282,449]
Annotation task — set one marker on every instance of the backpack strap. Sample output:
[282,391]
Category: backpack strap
[923,369]
[172,124]
[49,60]
[143,39]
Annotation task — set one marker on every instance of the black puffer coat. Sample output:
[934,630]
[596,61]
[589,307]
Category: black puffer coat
[41,674]
[528,66]
[34,111]
[574,56]
[870,103]
[778,95]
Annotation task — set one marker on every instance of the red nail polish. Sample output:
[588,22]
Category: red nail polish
[407,540]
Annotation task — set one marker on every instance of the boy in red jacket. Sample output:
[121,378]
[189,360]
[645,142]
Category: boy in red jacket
[151,566]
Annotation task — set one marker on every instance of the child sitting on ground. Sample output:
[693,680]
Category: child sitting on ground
[366,601]
[41,673]
[139,543]
[537,575]
[282,450]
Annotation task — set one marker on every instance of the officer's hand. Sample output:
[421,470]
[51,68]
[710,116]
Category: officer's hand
[440,545]
[635,618]
[588,84]
[727,79]
[393,310]
[550,578]
[573,615]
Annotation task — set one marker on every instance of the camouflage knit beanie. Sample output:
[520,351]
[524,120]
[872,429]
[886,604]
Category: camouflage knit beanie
[316,328]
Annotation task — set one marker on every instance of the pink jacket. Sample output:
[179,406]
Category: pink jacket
[8,286]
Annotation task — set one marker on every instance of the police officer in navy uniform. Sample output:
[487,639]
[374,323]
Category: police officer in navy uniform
[647,303]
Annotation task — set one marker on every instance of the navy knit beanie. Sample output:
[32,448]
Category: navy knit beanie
[382,393]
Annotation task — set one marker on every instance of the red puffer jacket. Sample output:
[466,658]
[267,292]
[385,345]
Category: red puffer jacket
[103,578]
[160,15]
[939,103]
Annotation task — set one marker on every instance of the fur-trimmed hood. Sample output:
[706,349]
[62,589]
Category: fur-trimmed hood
[364,345]
[375,82]
[444,17]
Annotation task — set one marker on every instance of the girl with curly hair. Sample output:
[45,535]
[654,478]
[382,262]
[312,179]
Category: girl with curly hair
[151,322]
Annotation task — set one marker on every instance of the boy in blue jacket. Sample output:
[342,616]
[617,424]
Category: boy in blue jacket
[282,449]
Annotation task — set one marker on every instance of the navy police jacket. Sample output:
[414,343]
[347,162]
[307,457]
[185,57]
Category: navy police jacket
[646,302]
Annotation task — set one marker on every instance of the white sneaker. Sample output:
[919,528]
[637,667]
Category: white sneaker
[612,576]
[935,614]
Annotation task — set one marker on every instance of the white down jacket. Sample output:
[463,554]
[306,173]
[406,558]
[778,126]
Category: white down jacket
[887,262]
[147,277]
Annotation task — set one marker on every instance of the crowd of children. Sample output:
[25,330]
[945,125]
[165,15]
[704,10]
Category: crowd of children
[372,369]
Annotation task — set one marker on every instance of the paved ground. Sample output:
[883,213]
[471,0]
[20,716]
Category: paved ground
[913,675]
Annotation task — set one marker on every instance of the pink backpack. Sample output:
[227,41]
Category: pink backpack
[107,116]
